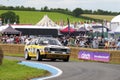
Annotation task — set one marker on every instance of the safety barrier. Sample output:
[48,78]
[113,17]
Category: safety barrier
[12,48]
[19,48]
[114,54]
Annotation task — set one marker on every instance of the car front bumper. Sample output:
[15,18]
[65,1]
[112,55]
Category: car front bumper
[57,56]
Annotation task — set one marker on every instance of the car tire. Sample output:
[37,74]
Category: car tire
[38,56]
[67,59]
[27,57]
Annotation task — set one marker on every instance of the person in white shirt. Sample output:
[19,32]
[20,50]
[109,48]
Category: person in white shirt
[27,41]
[95,43]
[82,43]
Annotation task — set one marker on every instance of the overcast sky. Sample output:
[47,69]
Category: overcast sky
[109,5]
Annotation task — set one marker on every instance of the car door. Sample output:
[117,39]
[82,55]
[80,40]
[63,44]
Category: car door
[33,48]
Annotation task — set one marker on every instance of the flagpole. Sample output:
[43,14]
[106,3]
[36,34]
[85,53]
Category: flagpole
[68,26]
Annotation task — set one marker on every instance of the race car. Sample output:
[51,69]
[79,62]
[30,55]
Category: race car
[46,48]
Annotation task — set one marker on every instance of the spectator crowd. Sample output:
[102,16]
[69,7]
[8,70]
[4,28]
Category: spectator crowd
[85,42]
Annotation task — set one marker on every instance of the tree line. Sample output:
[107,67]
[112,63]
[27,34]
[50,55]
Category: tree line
[19,8]
[79,11]
[76,12]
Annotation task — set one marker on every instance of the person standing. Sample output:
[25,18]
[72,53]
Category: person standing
[82,42]
[64,41]
[95,43]
[118,44]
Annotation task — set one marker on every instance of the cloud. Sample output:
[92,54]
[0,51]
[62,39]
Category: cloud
[51,3]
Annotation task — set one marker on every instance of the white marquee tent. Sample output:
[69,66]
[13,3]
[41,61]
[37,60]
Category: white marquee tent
[115,26]
[46,22]
[116,19]
[117,30]
[115,22]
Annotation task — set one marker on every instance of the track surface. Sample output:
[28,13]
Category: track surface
[82,70]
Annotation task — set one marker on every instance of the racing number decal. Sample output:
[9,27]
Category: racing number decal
[33,50]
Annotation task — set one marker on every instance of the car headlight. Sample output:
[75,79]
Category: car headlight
[46,49]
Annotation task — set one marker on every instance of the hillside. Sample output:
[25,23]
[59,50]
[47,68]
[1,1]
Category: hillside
[32,17]
[102,17]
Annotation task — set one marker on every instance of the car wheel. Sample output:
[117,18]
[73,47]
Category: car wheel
[38,56]
[67,59]
[27,57]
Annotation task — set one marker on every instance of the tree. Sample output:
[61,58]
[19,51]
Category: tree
[77,12]
[46,8]
[87,11]
[9,17]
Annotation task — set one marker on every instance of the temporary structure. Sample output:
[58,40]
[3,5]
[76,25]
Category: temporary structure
[44,27]
[10,30]
[117,30]
[116,19]
[82,29]
[115,22]
[67,29]
[46,21]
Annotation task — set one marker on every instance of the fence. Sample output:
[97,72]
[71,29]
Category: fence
[114,54]
[12,48]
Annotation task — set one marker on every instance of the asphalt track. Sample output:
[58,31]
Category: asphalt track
[83,70]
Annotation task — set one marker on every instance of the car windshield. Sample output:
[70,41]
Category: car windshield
[49,41]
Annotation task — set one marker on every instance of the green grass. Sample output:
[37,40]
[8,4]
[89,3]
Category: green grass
[33,17]
[11,70]
[102,17]
[14,54]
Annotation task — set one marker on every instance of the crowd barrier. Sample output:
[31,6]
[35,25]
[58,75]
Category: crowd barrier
[19,49]
[12,48]
[114,54]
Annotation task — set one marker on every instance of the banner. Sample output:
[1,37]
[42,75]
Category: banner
[96,56]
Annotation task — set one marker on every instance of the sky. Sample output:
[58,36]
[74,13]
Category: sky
[107,5]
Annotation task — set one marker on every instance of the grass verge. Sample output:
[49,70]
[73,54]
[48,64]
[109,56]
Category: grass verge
[11,70]
[14,54]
